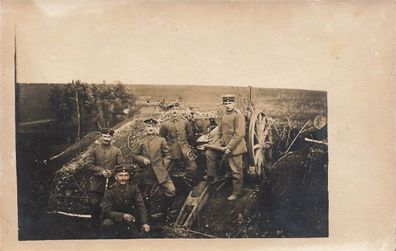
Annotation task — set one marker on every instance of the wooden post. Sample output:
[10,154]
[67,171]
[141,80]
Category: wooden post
[78,111]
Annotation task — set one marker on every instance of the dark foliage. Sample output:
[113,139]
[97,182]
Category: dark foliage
[99,105]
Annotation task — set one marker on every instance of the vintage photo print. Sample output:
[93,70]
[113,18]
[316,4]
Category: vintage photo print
[206,161]
[197,125]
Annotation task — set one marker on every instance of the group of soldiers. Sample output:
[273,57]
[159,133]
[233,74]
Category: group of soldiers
[115,206]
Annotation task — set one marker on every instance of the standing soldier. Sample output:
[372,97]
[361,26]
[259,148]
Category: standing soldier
[177,131]
[231,133]
[121,203]
[152,152]
[102,160]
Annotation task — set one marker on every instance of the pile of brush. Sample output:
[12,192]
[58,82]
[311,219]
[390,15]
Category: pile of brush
[70,184]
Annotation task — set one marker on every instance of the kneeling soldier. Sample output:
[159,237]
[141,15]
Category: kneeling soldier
[152,153]
[120,203]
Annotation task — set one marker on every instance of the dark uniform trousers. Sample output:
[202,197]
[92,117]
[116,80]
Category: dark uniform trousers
[189,165]
[230,133]
[236,167]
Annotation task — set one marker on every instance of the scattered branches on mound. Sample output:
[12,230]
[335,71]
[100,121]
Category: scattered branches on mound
[68,190]
[71,181]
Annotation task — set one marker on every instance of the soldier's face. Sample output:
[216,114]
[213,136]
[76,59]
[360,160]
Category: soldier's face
[150,129]
[175,111]
[122,177]
[106,139]
[229,106]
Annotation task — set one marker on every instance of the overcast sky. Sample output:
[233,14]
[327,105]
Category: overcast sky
[273,44]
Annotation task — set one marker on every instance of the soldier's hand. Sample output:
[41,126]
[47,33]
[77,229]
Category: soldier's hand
[106,173]
[146,162]
[129,218]
[227,152]
[146,228]
[202,147]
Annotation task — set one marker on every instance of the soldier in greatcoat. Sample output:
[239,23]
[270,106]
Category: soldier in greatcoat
[121,205]
[101,162]
[231,133]
[152,153]
[178,132]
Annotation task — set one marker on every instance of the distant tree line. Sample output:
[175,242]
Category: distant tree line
[83,107]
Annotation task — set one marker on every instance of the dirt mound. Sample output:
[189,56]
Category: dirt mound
[69,186]
[291,202]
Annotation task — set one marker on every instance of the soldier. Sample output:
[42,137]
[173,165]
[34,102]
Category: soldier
[102,160]
[121,202]
[231,133]
[177,131]
[152,152]
[212,124]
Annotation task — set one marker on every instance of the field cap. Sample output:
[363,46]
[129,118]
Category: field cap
[150,121]
[107,131]
[228,98]
[122,168]
[170,106]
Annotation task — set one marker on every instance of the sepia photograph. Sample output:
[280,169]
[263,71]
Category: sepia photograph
[198,161]
[197,125]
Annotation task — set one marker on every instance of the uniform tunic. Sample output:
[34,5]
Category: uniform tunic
[121,199]
[230,133]
[155,149]
[100,158]
[177,132]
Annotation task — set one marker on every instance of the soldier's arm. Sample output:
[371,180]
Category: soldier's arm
[138,201]
[163,130]
[107,208]
[219,134]
[165,153]
[120,157]
[189,131]
[239,132]
[91,163]
[137,153]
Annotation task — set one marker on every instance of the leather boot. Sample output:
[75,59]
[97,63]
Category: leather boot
[147,204]
[95,220]
[167,208]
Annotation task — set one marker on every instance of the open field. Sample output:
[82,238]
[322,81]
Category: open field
[33,99]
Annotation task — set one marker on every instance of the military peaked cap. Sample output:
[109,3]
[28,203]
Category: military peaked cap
[122,168]
[107,131]
[228,98]
[150,121]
